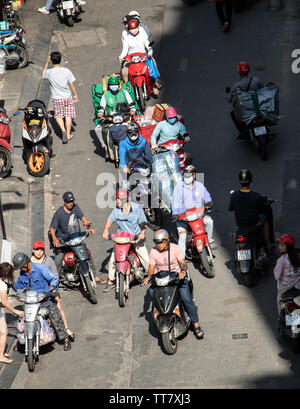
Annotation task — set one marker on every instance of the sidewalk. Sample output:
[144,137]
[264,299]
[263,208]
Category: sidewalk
[23,206]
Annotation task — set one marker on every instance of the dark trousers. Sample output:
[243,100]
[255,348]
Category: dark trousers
[220,6]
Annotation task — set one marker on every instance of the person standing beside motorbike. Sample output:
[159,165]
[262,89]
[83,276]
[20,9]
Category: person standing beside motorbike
[169,129]
[6,274]
[39,256]
[110,102]
[62,86]
[188,194]
[131,219]
[166,256]
[37,277]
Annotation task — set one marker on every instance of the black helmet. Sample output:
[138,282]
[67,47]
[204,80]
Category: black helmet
[19,260]
[68,197]
[133,132]
[190,169]
[245,177]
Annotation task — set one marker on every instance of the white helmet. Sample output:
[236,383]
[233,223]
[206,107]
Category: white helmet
[135,13]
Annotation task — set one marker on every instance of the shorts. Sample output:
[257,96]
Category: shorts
[64,108]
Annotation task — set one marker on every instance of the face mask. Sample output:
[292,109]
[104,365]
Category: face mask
[114,88]
[172,121]
[188,179]
[134,31]
[134,137]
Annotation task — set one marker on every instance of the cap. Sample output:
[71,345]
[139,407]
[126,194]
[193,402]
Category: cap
[39,244]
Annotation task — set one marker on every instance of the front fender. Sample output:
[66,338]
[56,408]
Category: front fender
[123,267]
[139,81]
[5,145]
[31,329]
[165,323]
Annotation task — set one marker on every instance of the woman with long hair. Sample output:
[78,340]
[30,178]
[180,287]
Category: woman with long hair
[6,277]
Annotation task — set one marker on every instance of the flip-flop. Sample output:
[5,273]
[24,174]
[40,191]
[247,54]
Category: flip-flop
[6,355]
[64,137]
[100,281]
[6,361]
[108,287]
[69,138]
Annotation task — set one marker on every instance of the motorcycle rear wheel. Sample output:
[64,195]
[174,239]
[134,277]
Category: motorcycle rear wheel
[121,295]
[209,268]
[69,21]
[250,279]
[5,162]
[31,356]
[23,56]
[41,165]
[169,342]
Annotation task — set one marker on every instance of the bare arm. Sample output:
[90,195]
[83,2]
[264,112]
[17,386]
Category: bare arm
[107,226]
[6,304]
[75,97]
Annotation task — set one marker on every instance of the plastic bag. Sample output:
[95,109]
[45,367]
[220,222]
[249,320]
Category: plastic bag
[21,325]
[153,70]
[47,334]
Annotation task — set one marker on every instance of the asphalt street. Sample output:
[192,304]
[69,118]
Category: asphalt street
[120,348]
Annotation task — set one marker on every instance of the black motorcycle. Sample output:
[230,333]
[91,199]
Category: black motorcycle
[289,319]
[143,191]
[68,11]
[37,138]
[168,310]
[251,260]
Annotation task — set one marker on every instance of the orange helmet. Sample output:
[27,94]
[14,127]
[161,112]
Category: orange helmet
[243,67]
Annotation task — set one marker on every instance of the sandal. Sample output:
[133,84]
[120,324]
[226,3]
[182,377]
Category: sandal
[6,360]
[108,287]
[100,281]
[64,137]
[67,345]
[198,332]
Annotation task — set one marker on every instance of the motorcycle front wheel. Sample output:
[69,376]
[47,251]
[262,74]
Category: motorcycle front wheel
[5,162]
[121,295]
[142,102]
[31,356]
[23,56]
[208,267]
[169,341]
[38,164]
[90,290]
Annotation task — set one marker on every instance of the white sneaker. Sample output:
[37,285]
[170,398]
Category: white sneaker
[81,2]
[43,10]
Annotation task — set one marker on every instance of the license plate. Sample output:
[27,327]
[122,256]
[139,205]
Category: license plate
[261,130]
[292,319]
[68,4]
[244,255]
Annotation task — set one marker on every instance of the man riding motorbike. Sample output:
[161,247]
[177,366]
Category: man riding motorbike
[166,256]
[251,209]
[169,129]
[38,277]
[134,147]
[136,42]
[109,103]
[245,84]
[131,219]
[188,194]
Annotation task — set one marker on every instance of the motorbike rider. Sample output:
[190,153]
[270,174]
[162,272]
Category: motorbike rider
[251,209]
[166,256]
[169,129]
[131,219]
[188,194]
[109,103]
[64,220]
[130,16]
[134,147]
[37,277]
[136,41]
[245,83]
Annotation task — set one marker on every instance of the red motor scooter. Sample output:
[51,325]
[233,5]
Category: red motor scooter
[139,77]
[5,147]
[197,242]
[128,264]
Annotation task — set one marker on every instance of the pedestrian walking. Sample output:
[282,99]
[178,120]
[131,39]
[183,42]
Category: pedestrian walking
[225,17]
[6,273]
[62,86]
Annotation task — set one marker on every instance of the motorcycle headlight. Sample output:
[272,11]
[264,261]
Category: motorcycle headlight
[144,171]
[118,119]
[136,58]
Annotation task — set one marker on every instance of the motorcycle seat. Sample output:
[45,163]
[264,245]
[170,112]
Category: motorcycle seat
[290,294]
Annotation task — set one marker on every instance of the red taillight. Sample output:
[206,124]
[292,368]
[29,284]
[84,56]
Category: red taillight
[258,120]
[291,306]
[69,259]
[241,239]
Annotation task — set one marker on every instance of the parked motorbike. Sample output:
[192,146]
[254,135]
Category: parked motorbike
[115,129]
[258,134]
[5,147]
[68,11]
[175,145]
[251,259]
[77,268]
[289,319]
[128,265]
[35,314]
[168,310]
[145,193]
[13,44]
[37,139]
[197,244]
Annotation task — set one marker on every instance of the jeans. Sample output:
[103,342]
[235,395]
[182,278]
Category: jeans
[50,3]
[228,11]
[186,298]
[183,225]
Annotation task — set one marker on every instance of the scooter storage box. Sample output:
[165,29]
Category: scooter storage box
[159,112]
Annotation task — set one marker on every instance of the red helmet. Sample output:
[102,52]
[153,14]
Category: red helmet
[243,67]
[171,112]
[287,239]
[122,194]
[134,23]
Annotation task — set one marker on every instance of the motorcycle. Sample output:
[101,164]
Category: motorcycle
[114,130]
[198,246]
[258,134]
[251,259]
[145,193]
[128,265]
[175,145]
[289,318]
[37,138]
[5,147]
[14,46]
[78,267]
[168,310]
[68,11]
[35,315]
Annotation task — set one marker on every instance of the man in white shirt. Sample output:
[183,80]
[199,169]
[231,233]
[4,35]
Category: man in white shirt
[62,86]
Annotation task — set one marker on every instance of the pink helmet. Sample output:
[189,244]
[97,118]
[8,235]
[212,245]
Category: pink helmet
[171,112]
